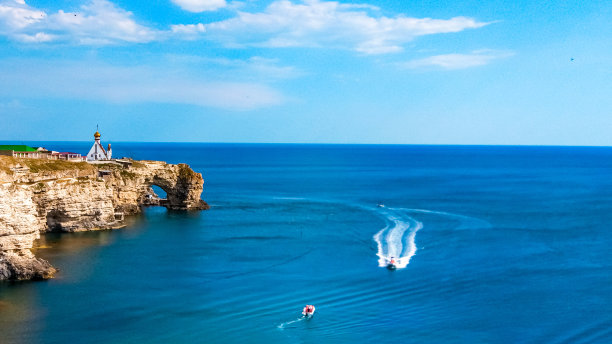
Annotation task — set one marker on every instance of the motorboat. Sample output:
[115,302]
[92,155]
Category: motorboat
[308,311]
[392,264]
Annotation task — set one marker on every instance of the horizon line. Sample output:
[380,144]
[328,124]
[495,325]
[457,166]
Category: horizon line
[332,143]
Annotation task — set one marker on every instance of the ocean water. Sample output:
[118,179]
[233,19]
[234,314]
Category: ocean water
[495,245]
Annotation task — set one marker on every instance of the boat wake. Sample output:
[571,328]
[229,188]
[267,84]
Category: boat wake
[397,238]
[465,222]
[285,324]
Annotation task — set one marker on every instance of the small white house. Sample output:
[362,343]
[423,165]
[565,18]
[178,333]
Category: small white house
[97,152]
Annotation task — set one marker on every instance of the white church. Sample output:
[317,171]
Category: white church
[97,152]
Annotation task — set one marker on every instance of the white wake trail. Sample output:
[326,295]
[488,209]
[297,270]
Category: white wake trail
[411,247]
[282,326]
[466,221]
[397,239]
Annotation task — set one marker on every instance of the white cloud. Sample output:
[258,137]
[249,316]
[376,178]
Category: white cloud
[99,22]
[310,23]
[38,37]
[458,61]
[315,23]
[189,31]
[16,15]
[200,5]
[92,80]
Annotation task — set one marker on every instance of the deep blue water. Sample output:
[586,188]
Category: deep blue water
[500,245]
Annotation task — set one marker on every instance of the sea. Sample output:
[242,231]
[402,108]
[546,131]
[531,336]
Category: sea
[494,244]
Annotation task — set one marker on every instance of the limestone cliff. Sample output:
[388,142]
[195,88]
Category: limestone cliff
[40,195]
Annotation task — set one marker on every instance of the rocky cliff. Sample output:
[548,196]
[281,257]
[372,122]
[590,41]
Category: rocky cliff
[41,195]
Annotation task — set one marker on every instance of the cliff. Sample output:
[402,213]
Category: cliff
[37,196]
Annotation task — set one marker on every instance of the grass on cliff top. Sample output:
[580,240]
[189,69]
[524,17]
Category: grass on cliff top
[186,172]
[116,166]
[42,165]
[137,164]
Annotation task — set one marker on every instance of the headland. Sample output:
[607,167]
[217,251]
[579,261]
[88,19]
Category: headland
[43,195]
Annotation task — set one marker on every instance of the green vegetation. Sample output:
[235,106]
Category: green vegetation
[17,148]
[42,165]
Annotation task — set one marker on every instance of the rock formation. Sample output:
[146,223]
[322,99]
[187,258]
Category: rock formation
[40,195]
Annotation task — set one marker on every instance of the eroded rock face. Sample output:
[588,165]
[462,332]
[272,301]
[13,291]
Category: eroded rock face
[20,223]
[74,197]
[72,206]
[23,265]
[182,185]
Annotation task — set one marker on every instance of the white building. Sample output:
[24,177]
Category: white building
[97,152]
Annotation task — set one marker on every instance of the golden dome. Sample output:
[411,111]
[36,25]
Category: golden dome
[97,135]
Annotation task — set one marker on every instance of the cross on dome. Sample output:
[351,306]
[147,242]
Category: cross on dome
[97,152]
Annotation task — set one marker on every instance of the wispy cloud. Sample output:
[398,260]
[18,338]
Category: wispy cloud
[311,23]
[16,15]
[458,61]
[99,22]
[254,68]
[315,23]
[200,5]
[11,104]
[92,80]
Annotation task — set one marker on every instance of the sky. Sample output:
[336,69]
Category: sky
[522,72]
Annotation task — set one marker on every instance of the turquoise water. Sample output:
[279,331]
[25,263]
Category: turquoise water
[497,245]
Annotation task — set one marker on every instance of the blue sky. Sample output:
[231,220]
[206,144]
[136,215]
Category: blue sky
[312,71]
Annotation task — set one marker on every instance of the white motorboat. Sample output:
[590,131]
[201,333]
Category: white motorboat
[392,264]
[308,311]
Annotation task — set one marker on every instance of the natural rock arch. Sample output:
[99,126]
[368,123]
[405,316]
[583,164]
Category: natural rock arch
[182,185]
[70,196]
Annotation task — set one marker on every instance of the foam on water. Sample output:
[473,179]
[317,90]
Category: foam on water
[466,221]
[289,198]
[397,238]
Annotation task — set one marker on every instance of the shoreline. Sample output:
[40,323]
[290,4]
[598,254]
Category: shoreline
[39,196]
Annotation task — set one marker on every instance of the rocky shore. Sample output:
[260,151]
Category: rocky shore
[38,196]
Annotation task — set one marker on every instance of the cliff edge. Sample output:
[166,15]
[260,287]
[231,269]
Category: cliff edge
[37,196]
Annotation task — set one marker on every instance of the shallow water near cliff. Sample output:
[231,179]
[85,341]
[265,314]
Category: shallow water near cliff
[496,245]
